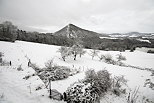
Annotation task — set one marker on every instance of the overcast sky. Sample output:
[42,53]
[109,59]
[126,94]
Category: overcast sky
[104,16]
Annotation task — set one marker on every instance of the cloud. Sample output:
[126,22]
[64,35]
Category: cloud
[97,15]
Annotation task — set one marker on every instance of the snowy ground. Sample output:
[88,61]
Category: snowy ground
[17,90]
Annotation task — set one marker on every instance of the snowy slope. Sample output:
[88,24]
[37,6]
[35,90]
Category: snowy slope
[19,53]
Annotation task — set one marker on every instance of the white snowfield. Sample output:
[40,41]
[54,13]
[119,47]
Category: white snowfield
[15,89]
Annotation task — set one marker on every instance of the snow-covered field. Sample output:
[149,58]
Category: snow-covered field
[15,89]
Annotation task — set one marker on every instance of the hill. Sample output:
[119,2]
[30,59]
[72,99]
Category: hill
[72,31]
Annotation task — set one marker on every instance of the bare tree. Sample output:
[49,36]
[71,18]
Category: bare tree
[65,52]
[93,53]
[75,50]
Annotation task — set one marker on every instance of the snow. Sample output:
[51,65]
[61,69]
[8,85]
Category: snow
[144,49]
[108,38]
[16,89]
[142,40]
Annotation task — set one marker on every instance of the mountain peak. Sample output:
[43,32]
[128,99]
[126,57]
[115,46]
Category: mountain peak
[71,24]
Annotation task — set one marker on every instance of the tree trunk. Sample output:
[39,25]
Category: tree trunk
[75,57]
[63,58]
[80,55]
[92,57]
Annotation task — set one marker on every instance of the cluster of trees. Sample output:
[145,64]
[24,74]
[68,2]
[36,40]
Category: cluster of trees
[8,31]
[74,50]
[45,38]
[114,44]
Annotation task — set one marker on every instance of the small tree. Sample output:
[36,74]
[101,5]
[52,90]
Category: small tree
[65,52]
[93,53]
[81,52]
[108,58]
[75,50]
[49,64]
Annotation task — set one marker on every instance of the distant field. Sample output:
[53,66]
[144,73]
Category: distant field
[144,49]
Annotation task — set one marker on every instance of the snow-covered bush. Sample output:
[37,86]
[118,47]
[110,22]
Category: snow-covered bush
[49,64]
[100,81]
[81,92]
[108,59]
[120,57]
[4,63]
[90,89]
[55,73]
[60,72]
[149,83]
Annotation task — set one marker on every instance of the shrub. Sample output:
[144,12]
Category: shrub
[108,59]
[150,51]
[120,57]
[60,72]
[90,89]
[81,92]
[54,73]
[49,64]
[101,57]
[100,81]
[117,83]
[4,63]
